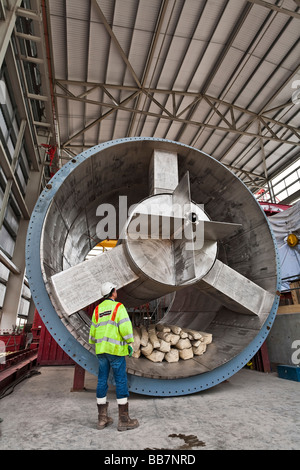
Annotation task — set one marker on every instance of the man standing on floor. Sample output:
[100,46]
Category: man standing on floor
[111,332]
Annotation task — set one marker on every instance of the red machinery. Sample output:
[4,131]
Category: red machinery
[12,341]
[270,208]
[49,352]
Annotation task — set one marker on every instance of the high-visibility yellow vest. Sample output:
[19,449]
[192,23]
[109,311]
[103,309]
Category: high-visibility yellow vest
[111,330]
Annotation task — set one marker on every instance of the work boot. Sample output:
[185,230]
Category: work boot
[103,419]
[125,423]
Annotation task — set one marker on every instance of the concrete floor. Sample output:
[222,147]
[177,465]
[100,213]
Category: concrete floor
[252,410]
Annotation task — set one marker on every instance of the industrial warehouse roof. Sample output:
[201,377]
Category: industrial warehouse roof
[219,75]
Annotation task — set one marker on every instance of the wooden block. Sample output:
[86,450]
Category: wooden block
[296,292]
[153,337]
[136,354]
[175,329]
[206,337]
[172,355]
[146,350]
[287,309]
[144,336]
[183,343]
[174,339]
[164,336]
[195,334]
[163,328]
[164,346]
[199,350]
[186,354]
[137,340]
[183,334]
[156,356]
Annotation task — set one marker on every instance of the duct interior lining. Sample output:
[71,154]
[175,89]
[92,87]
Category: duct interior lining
[70,231]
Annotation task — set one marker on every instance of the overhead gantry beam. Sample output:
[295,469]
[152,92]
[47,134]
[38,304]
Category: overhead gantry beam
[142,100]
[229,117]
[276,8]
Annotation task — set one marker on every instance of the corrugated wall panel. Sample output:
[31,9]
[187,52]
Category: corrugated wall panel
[59,46]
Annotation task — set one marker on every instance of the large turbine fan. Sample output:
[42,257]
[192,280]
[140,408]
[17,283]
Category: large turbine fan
[168,239]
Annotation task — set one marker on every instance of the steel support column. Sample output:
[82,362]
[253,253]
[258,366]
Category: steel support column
[78,381]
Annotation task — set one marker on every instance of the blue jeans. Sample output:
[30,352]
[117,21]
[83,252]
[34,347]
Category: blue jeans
[118,365]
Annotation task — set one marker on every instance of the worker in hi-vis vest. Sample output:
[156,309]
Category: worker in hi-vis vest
[111,332]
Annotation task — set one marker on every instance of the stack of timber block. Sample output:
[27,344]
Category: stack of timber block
[169,342]
[295,298]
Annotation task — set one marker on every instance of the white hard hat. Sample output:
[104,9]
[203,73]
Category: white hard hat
[106,288]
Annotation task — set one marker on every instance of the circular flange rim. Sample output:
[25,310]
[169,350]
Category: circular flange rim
[64,338]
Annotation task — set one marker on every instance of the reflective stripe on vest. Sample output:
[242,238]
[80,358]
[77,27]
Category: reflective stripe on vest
[115,311]
[96,314]
[110,322]
[109,340]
